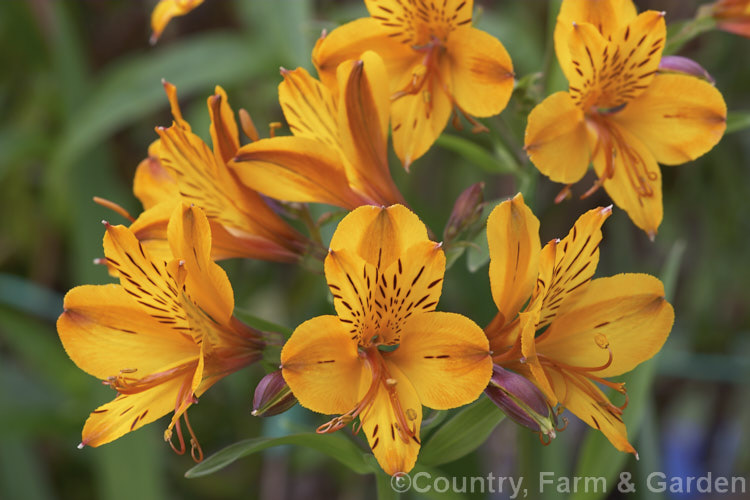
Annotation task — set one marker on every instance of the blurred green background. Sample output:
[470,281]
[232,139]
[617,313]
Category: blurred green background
[80,96]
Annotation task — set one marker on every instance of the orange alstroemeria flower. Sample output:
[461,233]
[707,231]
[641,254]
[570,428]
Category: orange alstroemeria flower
[387,352]
[573,332]
[339,152]
[437,64]
[161,337]
[733,16]
[619,112]
[182,168]
[165,10]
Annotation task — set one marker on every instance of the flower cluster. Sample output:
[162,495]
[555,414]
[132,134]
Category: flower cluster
[166,333]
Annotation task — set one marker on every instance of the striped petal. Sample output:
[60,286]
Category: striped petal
[576,258]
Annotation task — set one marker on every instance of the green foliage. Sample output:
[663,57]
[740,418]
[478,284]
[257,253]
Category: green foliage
[333,445]
[461,434]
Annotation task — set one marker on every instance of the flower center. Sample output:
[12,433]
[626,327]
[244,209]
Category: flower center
[381,378]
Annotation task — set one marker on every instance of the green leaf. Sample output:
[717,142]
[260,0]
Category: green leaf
[478,254]
[131,89]
[335,446]
[737,120]
[261,324]
[500,163]
[462,434]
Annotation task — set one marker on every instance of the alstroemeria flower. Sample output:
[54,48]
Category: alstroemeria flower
[619,112]
[165,10]
[161,337]
[574,331]
[339,152]
[437,64]
[182,168]
[387,352]
[733,16]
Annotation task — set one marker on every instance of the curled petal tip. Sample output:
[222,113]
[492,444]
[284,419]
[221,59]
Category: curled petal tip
[80,446]
[651,235]
[106,223]
[662,14]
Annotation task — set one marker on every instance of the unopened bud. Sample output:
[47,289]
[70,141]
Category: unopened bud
[522,401]
[685,66]
[466,211]
[272,396]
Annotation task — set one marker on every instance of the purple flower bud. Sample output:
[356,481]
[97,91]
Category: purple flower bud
[522,401]
[679,64]
[466,211]
[272,396]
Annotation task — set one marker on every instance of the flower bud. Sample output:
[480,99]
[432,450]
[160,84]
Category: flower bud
[686,66]
[466,211]
[522,401]
[272,396]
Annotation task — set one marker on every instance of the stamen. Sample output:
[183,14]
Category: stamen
[114,207]
[272,127]
[380,377]
[248,127]
[168,438]
[564,194]
[195,448]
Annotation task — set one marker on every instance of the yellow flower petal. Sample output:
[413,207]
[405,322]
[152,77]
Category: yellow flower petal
[210,185]
[309,108]
[377,302]
[446,358]
[513,237]
[606,15]
[418,119]
[149,281]
[609,73]
[556,129]
[351,40]
[635,185]
[321,366]
[150,228]
[364,105]
[481,71]
[530,362]
[393,453]
[153,184]
[104,330]
[678,118]
[588,403]
[165,10]
[576,258]
[413,24]
[206,283]
[224,132]
[626,314]
[129,412]
[296,169]
[379,235]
